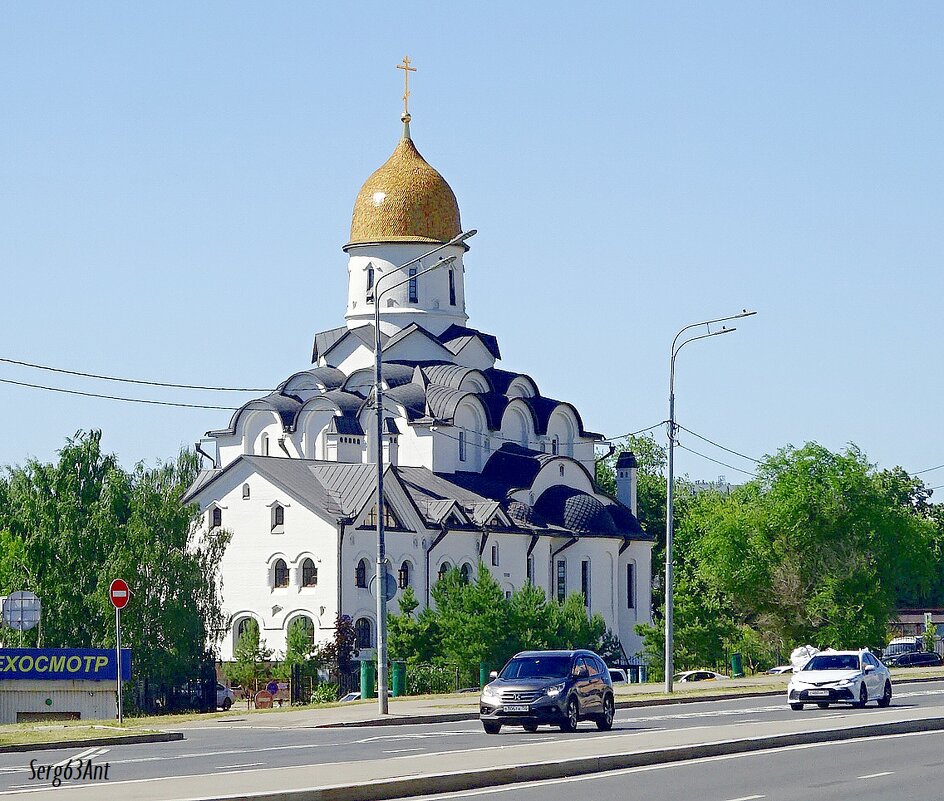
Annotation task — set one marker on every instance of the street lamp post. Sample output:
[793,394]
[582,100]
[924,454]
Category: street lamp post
[380,576]
[670,478]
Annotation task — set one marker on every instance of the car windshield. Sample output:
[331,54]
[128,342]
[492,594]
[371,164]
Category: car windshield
[534,667]
[833,662]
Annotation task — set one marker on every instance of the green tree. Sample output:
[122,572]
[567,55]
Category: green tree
[249,666]
[74,525]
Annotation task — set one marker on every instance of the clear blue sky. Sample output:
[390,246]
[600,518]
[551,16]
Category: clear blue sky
[177,179]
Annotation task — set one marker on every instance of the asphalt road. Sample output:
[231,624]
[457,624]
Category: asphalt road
[909,766]
[228,748]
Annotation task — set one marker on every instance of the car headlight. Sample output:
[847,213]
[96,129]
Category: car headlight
[489,694]
[846,682]
[555,690]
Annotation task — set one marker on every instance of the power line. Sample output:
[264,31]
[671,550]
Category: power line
[723,464]
[722,447]
[641,430]
[133,380]
[115,397]
[928,470]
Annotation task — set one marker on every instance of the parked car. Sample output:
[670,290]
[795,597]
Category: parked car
[915,659]
[902,645]
[224,696]
[556,687]
[840,677]
[776,671]
[699,675]
[618,676]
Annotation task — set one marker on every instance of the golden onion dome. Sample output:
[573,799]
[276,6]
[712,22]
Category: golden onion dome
[405,200]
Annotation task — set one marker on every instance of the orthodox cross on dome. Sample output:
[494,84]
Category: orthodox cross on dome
[407,69]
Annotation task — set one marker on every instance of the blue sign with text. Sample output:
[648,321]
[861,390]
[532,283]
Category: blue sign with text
[88,664]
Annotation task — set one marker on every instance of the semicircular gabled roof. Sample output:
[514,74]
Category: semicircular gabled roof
[575,510]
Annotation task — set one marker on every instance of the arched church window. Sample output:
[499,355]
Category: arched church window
[452,288]
[309,573]
[280,573]
[555,446]
[363,634]
[444,568]
[466,573]
[360,574]
[245,492]
[370,283]
[414,291]
[462,446]
[216,517]
[264,445]
[562,470]
[403,576]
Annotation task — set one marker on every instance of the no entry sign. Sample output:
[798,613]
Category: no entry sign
[119,593]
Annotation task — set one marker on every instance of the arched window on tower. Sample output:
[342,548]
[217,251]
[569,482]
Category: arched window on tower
[452,287]
[370,284]
[216,517]
[462,446]
[264,445]
[403,576]
[280,573]
[363,635]
[309,573]
[555,446]
[360,574]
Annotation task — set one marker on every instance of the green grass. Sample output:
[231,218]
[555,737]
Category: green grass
[66,731]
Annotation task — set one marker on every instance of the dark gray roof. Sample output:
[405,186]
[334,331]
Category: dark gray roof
[285,406]
[575,510]
[346,424]
[515,466]
[448,375]
[442,401]
[347,402]
[316,378]
[626,460]
[412,397]
[325,340]
[501,379]
[457,337]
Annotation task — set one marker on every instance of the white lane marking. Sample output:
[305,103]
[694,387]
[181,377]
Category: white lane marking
[402,750]
[88,753]
[876,775]
[236,767]
[747,798]
[667,766]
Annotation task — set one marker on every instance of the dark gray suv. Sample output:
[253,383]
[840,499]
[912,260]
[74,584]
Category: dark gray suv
[556,687]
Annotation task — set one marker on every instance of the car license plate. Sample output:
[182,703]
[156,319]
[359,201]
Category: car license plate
[517,708]
[818,693]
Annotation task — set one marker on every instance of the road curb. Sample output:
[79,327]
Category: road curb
[496,777]
[131,739]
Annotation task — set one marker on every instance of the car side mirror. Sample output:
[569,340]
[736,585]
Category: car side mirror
[869,668]
[580,671]
[493,674]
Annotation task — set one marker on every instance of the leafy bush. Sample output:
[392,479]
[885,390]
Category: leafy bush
[325,694]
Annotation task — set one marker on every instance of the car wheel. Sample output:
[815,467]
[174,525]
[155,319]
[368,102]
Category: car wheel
[605,721]
[572,716]
[796,707]
[863,697]
[530,727]
[886,698]
[227,703]
[490,727]
[822,705]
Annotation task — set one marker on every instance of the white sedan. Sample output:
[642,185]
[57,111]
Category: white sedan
[840,677]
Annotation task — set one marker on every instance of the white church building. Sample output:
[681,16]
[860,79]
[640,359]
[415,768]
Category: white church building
[479,465]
